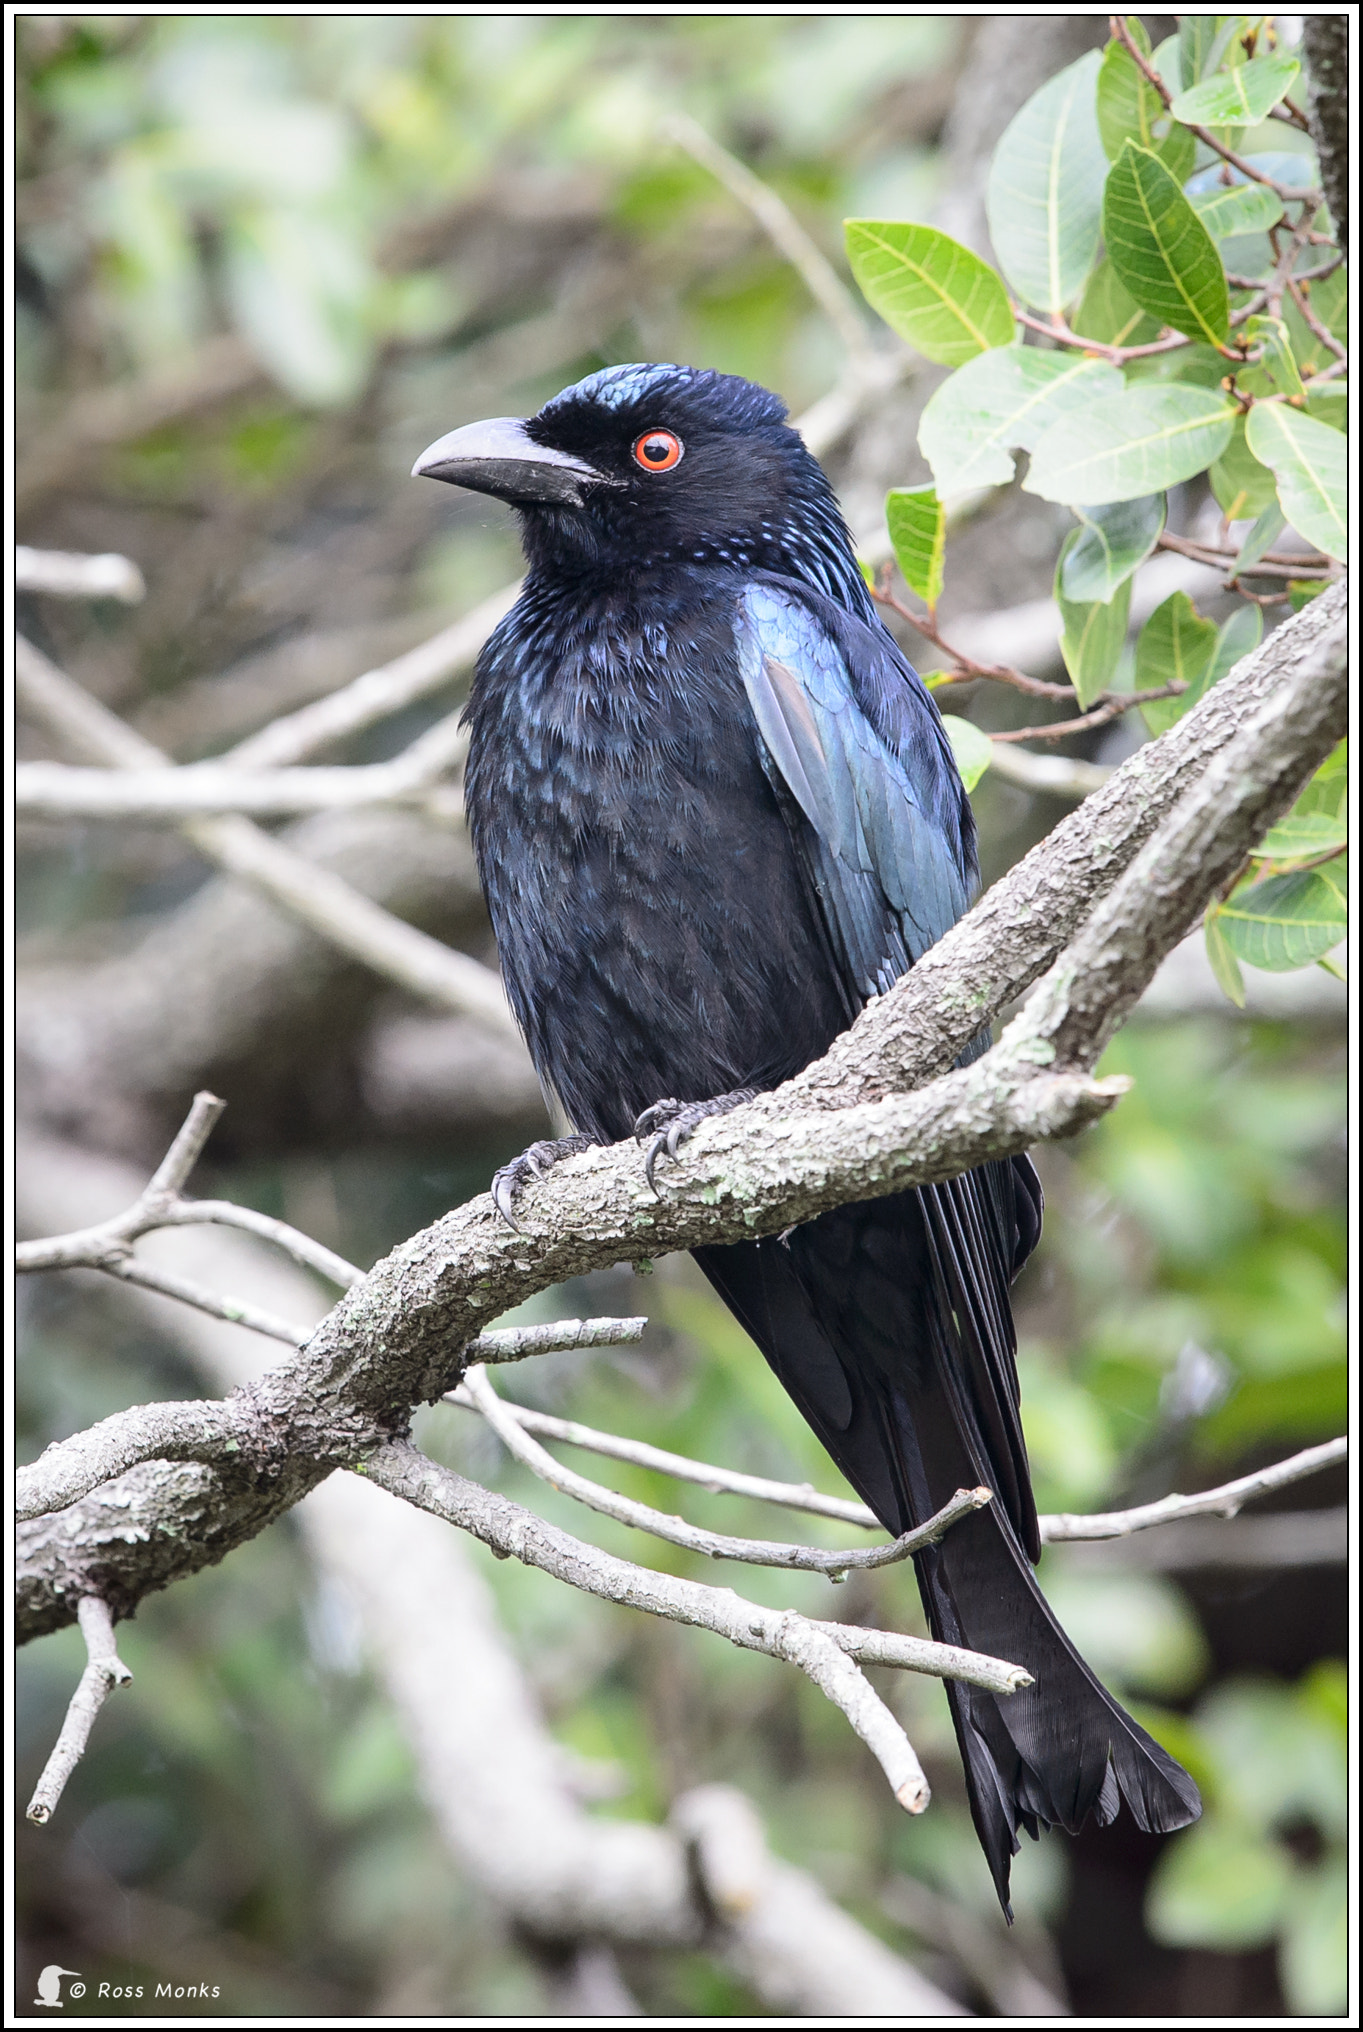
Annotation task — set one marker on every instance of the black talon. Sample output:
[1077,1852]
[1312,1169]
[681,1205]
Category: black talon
[510,1182]
[669,1124]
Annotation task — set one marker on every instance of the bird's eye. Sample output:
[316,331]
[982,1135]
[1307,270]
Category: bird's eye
[657,451]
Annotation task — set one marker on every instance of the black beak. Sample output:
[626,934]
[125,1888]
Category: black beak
[498,458]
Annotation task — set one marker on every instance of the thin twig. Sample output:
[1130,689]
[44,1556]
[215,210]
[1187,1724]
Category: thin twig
[800,1496]
[1057,329]
[782,228]
[1318,330]
[713,1544]
[131,1270]
[1225,1501]
[719,1481]
[1111,706]
[512,1531]
[1308,565]
[560,1336]
[104,1671]
[223,1434]
[160,1205]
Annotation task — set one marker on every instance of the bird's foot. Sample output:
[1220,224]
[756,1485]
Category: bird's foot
[510,1182]
[668,1124]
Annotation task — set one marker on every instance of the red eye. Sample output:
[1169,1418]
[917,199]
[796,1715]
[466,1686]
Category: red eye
[657,451]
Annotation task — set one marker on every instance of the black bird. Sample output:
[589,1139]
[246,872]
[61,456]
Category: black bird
[715,811]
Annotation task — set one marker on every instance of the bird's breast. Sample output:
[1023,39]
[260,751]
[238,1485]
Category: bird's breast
[653,916]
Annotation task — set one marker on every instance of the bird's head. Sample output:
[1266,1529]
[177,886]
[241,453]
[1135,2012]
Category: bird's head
[645,465]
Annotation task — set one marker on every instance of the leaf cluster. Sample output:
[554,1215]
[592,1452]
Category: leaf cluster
[1167,312]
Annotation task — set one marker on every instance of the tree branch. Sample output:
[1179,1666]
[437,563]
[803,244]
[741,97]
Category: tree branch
[396,1338]
[104,1671]
[314,895]
[504,1798]
[1226,1501]
[1063,1528]
[712,1544]
[516,1533]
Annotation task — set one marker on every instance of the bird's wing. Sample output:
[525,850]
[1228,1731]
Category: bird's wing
[849,735]
[847,732]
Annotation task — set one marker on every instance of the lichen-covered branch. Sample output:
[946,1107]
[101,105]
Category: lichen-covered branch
[844,1129]
[103,1672]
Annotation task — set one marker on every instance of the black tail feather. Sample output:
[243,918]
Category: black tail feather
[889,1325]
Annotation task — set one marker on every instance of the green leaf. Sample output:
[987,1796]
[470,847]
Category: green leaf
[1114,539]
[1242,486]
[1301,592]
[1140,442]
[973,750]
[1004,399]
[1202,42]
[1161,250]
[1262,537]
[918,527]
[1288,921]
[1109,313]
[1093,632]
[930,289]
[1302,839]
[1241,97]
[1328,790]
[1222,961]
[1313,1959]
[1236,637]
[1318,821]
[1175,643]
[1220,1886]
[1235,208]
[1308,460]
[1276,372]
[1130,109]
[1042,198]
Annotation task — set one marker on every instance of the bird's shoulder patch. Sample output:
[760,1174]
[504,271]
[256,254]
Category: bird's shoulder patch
[886,862]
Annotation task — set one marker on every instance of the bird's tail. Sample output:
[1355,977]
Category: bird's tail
[888,1323]
[1062,1750]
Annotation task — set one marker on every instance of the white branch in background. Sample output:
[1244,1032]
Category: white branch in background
[712,1544]
[75,575]
[314,895]
[1047,775]
[169,793]
[104,1671]
[377,694]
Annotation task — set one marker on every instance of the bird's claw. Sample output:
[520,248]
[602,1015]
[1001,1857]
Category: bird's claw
[669,1124]
[510,1182]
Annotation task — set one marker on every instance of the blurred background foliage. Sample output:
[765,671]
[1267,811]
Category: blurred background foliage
[262,261]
